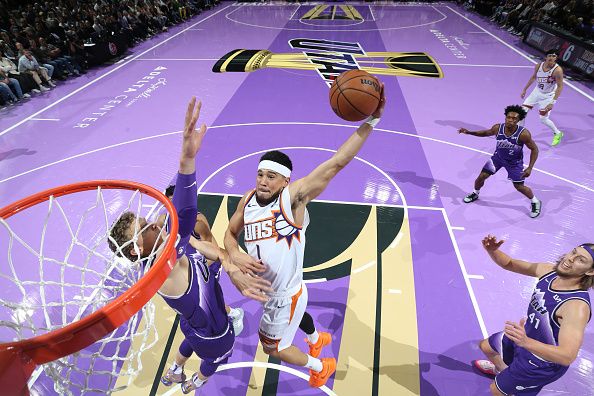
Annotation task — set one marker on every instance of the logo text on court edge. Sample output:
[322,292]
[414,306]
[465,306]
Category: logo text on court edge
[141,89]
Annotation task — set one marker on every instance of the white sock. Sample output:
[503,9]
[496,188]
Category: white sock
[534,199]
[177,369]
[477,192]
[314,364]
[313,337]
[197,381]
[548,122]
[233,313]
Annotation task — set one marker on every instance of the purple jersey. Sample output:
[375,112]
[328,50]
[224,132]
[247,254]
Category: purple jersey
[202,305]
[541,324]
[510,149]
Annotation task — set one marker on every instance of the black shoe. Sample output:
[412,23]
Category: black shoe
[471,197]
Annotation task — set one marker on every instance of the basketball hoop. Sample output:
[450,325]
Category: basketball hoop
[115,297]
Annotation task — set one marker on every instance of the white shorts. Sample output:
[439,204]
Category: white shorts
[538,98]
[281,317]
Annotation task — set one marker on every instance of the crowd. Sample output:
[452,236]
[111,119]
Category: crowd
[41,42]
[575,17]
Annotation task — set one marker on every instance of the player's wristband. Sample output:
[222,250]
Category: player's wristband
[372,121]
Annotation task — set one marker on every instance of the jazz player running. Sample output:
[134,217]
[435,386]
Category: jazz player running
[537,351]
[204,321]
[549,84]
[509,154]
[274,219]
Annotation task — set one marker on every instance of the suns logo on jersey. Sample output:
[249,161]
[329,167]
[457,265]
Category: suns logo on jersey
[272,227]
[284,229]
[259,230]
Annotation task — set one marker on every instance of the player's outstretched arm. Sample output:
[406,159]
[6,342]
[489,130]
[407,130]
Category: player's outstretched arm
[192,138]
[484,133]
[530,81]
[243,261]
[492,245]
[526,138]
[185,195]
[306,189]
[576,314]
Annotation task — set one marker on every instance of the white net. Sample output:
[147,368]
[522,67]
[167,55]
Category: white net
[59,269]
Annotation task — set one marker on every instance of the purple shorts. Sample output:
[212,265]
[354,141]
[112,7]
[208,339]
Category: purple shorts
[514,169]
[214,350]
[526,374]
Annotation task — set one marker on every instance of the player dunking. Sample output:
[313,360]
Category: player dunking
[274,218]
[509,154]
[537,351]
[549,84]
[198,299]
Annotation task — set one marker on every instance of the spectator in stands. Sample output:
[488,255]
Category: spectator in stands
[7,85]
[25,80]
[28,64]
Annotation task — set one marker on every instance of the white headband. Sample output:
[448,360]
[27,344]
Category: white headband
[275,167]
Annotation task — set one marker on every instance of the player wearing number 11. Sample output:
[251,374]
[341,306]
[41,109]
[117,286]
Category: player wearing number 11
[527,356]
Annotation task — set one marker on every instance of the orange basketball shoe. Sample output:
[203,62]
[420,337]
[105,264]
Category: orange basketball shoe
[328,368]
[324,339]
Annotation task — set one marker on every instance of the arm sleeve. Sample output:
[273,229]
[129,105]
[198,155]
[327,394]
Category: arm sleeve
[185,202]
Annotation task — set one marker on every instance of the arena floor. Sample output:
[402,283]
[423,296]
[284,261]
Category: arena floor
[394,266]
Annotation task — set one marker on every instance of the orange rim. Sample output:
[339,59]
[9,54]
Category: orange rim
[18,359]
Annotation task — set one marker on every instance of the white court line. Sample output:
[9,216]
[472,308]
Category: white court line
[476,32]
[394,291]
[396,240]
[519,52]
[476,277]
[371,12]
[294,12]
[340,202]
[177,59]
[45,119]
[363,267]
[106,74]
[444,16]
[475,305]
[458,228]
[469,65]
[441,64]
[293,123]
[318,280]
[265,365]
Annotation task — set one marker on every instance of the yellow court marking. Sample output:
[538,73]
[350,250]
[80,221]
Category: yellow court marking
[355,360]
[399,357]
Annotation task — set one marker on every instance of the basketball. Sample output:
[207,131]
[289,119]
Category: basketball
[355,94]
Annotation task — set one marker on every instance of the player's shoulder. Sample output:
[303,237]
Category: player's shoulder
[525,134]
[558,69]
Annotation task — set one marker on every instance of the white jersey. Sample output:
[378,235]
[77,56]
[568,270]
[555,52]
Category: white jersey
[545,82]
[271,235]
